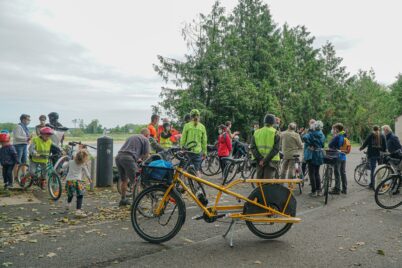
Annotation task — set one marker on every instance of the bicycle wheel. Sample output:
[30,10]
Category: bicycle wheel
[253,176]
[326,182]
[195,186]
[230,172]
[382,172]
[157,228]
[214,165]
[247,169]
[361,175]
[58,167]
[387,194]
[205,166]
[24,177]
[54,186]
[276,197]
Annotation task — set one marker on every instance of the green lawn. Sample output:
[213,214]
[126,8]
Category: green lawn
[94,137]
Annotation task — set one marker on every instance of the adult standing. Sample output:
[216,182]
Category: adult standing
[265,147]
[291,145]
[195,132]
[21,139]
[303,132]
[340,167]
[153,126]
[393,144]
[42,124]
[228,125]
[375,143]
[314,156]
[135,148]
[58,129]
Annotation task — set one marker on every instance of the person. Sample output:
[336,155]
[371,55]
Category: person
[375,144]
[135,149]
[42,124]
[194,131]
[165,136]
[58,129]
[153,126]
[239,148]
[228,125]
[21,139]
[265,147]
[224,145]
[186,118]
[393,144]
[304,131]
[77,171]
[8,159]
[314,156]
[340,167]
[277,125]
[173,133]
[291,145]
[39,151]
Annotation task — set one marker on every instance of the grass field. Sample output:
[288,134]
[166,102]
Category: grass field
[94,137]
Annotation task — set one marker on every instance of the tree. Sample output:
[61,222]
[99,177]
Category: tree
[94,127]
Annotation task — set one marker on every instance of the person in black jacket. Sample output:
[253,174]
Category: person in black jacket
[376,143]
[393,144]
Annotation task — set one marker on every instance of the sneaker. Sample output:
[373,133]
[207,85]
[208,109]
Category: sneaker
[124,202]
[335,192]
[313,194]
[80,214]
[319,193]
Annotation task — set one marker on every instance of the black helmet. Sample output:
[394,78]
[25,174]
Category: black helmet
[53,115]
[269,119]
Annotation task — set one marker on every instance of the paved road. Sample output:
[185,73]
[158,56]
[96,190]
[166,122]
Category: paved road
[350,231]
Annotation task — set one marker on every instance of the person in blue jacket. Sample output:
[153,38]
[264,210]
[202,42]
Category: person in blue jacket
[314,156]
[340,167]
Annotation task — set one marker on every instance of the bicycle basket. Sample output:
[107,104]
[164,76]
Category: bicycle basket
[157,174]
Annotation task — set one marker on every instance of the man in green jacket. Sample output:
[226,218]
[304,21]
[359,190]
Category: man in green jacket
[265,147]
[194,131]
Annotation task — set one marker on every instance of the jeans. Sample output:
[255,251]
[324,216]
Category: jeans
[22,152]
[340,174]
[8,174]
[196,160]
[314,174]
[373,165]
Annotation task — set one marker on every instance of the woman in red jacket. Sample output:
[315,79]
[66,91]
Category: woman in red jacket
[224,145]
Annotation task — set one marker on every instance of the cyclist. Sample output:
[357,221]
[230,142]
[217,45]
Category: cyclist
[194,131]
[165,136]
[8,159]
[265,148]
[39,151]
[135,148]
[314,156]
[376,143]
[224,145]
[239,148]
[291,144]
[340,167]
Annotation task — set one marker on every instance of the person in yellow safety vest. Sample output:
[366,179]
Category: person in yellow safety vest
[265,146]
[39,150]
[165,137]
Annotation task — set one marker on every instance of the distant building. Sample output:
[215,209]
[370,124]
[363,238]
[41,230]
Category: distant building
[398,126]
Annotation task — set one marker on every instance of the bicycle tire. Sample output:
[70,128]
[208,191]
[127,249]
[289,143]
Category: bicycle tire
[54,179]
[228,174]
[382,173]
[361,175]
[59,164]
[253,176]
[195,186]
[395,182]
[175,200]
[326,183]
[24,179]
[276,196]
[247,168]
[214,163]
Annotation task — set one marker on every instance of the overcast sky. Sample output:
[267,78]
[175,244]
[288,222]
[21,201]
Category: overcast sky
[93,59]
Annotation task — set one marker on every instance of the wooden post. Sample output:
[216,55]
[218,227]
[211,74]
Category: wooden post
[93,174]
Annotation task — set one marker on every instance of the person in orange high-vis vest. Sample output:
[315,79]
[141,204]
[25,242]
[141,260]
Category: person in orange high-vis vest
[153,126]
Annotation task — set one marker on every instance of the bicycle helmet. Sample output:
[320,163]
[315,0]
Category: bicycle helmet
[53,115]
[194,112]
[46,131]
[4,137]
[269,119]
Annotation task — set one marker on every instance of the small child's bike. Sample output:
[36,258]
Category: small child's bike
[26,178]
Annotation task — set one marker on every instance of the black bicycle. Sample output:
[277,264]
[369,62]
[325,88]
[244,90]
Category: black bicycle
[210,164]
[330,159]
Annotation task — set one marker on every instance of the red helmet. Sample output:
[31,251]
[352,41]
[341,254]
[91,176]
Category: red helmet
[4,137]
[46,131]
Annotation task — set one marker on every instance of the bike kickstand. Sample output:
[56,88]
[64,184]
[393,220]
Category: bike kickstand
[231,231]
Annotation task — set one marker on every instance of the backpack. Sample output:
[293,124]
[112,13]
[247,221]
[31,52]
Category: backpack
[346,147]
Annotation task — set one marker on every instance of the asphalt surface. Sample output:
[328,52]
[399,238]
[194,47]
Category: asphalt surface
[351,231]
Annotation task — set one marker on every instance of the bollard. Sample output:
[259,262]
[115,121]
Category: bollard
[104,162]
[93,176]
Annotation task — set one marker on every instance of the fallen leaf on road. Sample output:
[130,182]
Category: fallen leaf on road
[353,248]
[41,256]
[381,252]
[360,243]
[357,264]
[6,264]
[124,228]
[91,231]
[188,240]
[257,262]
[51,254]
[339,235]
[29,199]
[341,248]
[33,241]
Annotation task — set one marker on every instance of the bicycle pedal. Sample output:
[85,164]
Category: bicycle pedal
[197,217]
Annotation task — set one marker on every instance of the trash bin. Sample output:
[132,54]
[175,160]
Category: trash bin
[104,162]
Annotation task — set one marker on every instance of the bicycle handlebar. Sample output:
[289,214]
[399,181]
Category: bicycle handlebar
[74,143]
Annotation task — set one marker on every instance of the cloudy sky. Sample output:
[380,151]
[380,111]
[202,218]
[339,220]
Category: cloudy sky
[93,59]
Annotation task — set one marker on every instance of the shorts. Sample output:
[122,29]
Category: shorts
[22,152]
[127,166]
[75,186]
[196,160]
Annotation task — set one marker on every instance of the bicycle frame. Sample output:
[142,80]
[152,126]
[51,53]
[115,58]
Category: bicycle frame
[211,211]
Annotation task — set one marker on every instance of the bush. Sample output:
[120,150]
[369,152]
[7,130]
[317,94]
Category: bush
[77,132]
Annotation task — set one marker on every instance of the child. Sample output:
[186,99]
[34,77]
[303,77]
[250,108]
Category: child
[8,159]
[76,169]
